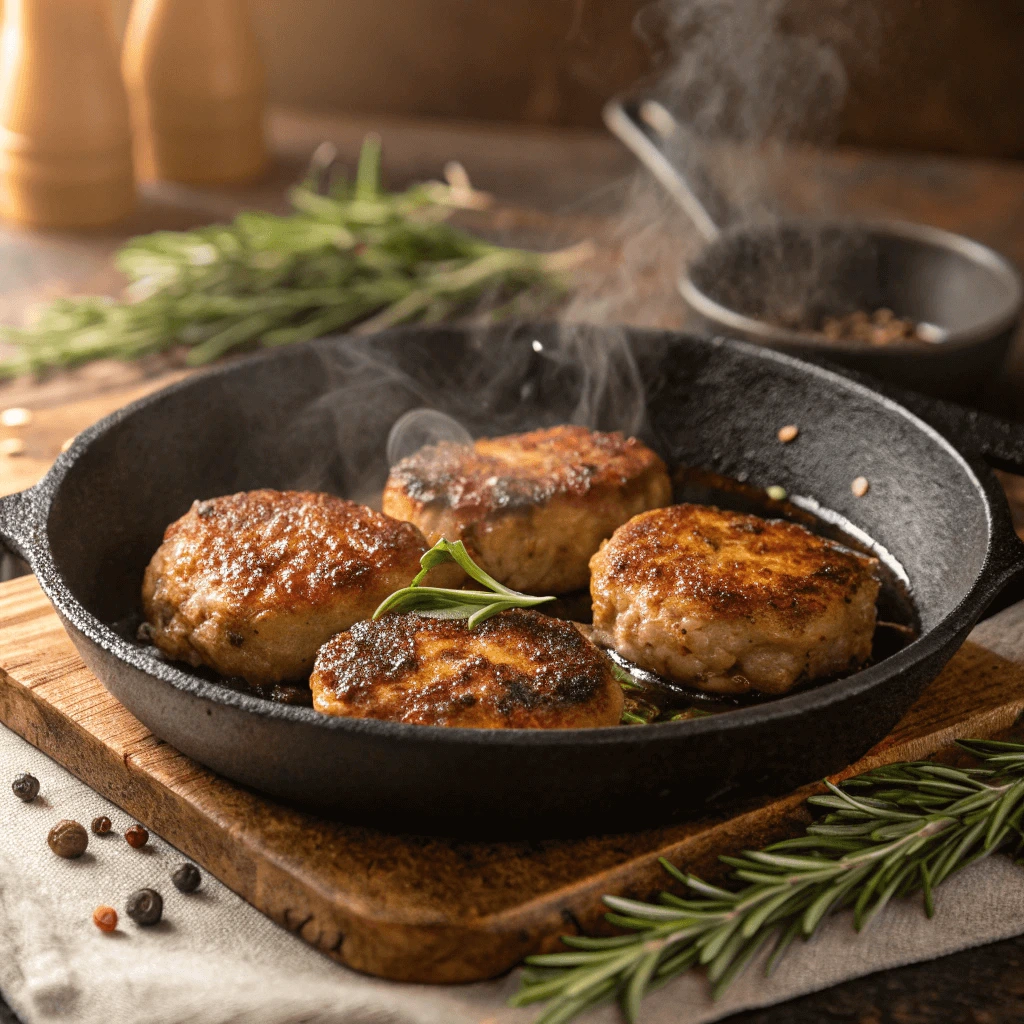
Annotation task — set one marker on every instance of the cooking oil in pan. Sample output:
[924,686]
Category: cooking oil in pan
[652,698]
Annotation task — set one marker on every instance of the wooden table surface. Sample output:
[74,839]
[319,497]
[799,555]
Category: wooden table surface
[554,189]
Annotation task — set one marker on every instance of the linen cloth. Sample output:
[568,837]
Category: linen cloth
[214,959]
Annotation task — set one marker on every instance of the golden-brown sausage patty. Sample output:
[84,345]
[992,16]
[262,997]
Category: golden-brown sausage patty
[530,508]
[252,584]
[517,670]
[731,603]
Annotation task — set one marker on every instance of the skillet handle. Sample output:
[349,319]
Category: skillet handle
[19,530]
[999,442]
[668,149]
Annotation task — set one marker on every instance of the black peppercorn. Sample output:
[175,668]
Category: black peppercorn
[145,906]
[25,787]
[186,878]
[137,837]
[68,839]
[101,825]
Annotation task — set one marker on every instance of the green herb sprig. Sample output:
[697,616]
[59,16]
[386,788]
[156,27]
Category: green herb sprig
[476,606]
[889,833]
[356,255]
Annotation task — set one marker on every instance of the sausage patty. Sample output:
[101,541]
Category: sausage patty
[516,670]
[530,508]
[252,584]
[731,603]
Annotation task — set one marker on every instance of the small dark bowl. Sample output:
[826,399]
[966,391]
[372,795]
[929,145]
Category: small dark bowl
[752,279]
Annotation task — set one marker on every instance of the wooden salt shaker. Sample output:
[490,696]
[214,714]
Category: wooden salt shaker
[196,88]
[65,141]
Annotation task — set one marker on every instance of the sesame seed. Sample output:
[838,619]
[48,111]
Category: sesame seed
[15,417]
[788,433]
[776,493]
[860,486]
[12,446]
[66,444]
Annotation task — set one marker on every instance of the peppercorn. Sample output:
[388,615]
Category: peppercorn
[68,839]
[145,906]
[186,878]
[101,825]
[105,918]
[25,787]
[137,836]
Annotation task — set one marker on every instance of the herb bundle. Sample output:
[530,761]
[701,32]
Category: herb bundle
[437,602]
[889,833]
[356,254]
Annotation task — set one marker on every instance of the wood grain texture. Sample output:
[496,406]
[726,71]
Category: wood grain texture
[411,908]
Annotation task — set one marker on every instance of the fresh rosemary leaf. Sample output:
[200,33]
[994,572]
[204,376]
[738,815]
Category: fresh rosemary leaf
[866,851]
[475,606]
[355,255]
[625,679]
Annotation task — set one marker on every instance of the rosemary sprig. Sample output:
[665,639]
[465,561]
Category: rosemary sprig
[437,602]
[357,254]
[891,832]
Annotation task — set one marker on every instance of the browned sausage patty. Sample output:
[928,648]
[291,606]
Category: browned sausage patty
[730,603]
[530,508]
[252,584]
[517,670]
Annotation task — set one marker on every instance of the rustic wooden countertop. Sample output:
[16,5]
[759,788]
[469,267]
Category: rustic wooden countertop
[552,188]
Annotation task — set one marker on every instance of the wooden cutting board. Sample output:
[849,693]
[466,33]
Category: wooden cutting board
[410,908]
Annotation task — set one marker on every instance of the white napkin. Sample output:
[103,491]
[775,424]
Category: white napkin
[214,959]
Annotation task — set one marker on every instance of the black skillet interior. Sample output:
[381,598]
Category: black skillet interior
[318,416]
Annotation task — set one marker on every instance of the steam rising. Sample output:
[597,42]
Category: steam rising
[741,79]
[418,428]
[385,397]
[745,79]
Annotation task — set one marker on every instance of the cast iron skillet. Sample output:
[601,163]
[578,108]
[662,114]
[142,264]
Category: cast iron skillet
[750,278]
[318,414]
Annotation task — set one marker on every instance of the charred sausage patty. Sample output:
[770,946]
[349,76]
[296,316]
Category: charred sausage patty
[731,603]
[530,508]
[517,670]
[252,584]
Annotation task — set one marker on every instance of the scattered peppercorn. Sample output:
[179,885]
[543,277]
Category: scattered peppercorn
[68,839]
[145,906]
[137,837]
[860,486]
[105,918]
[25,787]
[788,433]
[101,825]
[186,878]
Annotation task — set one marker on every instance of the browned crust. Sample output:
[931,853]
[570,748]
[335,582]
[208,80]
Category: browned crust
[504,474]
[284,549]
[727,564]
[517,670]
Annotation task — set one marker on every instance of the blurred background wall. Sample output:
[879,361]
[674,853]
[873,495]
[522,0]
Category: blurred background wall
[944,75]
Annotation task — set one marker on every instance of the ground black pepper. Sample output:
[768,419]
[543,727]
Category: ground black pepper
[68,839]
[186,878]
[145,906]
[25,787]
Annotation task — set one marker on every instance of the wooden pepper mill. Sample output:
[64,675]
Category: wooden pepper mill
[65,138]
[196,88]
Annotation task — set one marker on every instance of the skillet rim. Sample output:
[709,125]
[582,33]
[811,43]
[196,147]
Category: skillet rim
[36,546]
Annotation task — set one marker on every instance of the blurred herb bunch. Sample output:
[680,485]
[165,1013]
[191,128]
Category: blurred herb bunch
[350,254]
